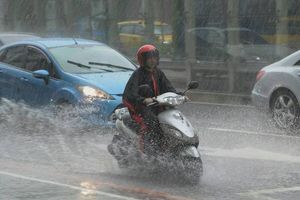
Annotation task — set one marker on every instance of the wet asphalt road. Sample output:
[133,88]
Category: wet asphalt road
[244,156]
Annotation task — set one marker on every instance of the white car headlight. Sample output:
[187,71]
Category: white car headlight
[90,92]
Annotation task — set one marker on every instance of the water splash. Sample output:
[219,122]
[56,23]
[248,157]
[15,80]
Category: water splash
[60,139]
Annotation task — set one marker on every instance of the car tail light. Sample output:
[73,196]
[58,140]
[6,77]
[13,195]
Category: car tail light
[260,74]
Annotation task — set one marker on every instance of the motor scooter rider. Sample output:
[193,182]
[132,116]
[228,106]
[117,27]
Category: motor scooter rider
[147,74]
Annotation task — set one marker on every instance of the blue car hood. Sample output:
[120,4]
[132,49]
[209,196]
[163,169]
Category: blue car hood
[111,82]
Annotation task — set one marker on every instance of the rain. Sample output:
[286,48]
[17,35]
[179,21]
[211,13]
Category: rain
[64,66]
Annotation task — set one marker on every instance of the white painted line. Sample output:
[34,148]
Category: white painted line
[67,186]
[250,154]
[259,194]
[220,104]
[252,133]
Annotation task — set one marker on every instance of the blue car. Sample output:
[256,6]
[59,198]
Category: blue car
[64,71]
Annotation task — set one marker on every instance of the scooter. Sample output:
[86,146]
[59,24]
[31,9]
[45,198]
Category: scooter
[180,146]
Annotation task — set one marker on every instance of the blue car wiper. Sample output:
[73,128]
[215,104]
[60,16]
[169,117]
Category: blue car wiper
[78,64]
[111,65]
[86,66]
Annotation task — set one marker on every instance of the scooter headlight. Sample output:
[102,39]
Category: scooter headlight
[175,100]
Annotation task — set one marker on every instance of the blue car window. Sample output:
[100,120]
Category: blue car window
[85,54]
[15,56]
[35,60]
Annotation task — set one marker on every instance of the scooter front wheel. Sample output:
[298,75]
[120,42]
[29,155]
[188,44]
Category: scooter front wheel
[193,169]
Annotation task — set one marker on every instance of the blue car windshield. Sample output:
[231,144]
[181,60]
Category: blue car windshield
[72,58]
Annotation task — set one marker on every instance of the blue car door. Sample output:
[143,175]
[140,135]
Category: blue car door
[12,59]
[38,91]
[6,89]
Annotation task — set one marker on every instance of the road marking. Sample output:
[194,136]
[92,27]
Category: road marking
[250,153]
[89,188]
[220,104]
[259,194]
[142,192]
[252,133]
[82,189]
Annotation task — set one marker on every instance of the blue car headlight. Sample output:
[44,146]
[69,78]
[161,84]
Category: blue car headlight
[93,93]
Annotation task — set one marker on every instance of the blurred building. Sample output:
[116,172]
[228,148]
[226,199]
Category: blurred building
[276,22]
[91,18]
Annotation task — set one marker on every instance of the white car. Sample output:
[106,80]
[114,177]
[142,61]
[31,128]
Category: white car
[277,89]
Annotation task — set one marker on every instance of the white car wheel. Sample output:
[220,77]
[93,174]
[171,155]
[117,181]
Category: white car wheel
[285,110]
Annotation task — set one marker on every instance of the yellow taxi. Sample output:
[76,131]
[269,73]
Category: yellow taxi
[132,33]
[289,36]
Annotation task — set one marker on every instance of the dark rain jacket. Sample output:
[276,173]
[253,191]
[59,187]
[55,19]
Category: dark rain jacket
[156,80]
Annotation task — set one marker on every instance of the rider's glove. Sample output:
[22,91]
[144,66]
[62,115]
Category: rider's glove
[148,101]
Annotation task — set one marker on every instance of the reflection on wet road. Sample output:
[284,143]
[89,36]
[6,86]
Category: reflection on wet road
[244,155]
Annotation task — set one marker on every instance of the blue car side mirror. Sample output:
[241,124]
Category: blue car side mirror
[42,74]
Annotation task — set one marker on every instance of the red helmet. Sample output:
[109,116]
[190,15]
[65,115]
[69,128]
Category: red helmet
[146,51]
